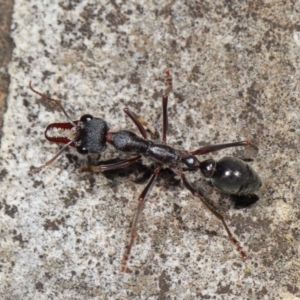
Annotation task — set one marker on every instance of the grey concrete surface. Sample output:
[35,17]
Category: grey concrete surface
[235,66]
[6,47]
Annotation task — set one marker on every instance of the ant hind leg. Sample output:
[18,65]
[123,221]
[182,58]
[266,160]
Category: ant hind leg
[198,194]
[136,217]
[113,166]
[213,148]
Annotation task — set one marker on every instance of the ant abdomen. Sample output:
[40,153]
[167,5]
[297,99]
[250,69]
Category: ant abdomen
[231,176]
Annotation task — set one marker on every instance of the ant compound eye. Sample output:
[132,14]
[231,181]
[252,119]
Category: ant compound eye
[82,150]
[86,118]
[191,161]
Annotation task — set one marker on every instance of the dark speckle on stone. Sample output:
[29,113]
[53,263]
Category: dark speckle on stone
[164,285]
[53,225]
[10,210]
[39,286]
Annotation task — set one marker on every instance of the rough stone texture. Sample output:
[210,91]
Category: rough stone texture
[236,76]
[6,46]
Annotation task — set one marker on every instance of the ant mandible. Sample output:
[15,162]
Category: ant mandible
[91,135]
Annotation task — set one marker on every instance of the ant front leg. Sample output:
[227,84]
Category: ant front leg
[138,119]
[136,217]
[213,148]
[50,161]
[141,123]
[198,194]
[107,167]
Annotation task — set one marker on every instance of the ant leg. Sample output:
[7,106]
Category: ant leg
[106,167]
[198,194]
[153,131]
[167,91]
[140,122]
[136,121]
[136,217]
[50,161]
[213,148]
[57,102]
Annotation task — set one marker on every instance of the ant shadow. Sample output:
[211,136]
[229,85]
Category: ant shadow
[139,173]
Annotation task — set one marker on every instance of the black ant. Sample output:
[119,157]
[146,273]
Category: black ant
[91,135]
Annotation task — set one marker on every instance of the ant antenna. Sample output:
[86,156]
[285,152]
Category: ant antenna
[57,102]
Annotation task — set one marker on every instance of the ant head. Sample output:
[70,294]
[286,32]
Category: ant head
[91,135]
[88,135]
